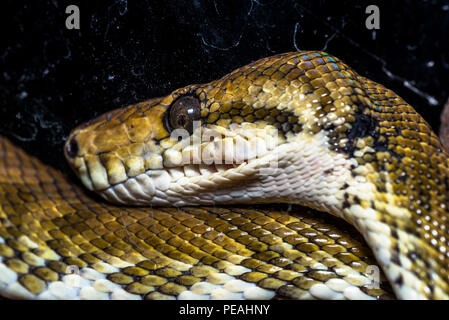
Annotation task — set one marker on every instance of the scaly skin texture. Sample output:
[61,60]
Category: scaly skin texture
[50,229]
[343,144]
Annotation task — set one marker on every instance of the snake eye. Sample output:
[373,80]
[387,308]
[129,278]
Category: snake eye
[183,112]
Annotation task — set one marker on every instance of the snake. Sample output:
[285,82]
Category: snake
[292,177]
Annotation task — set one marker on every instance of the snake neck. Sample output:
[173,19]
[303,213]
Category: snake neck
[401,198]
[391,181]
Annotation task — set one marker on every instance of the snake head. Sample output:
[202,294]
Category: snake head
[289,128]
[169,151]
[263,133]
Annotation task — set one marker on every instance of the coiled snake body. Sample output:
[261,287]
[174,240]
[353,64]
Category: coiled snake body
[296,129]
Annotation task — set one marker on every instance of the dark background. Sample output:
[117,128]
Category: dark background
[52,78]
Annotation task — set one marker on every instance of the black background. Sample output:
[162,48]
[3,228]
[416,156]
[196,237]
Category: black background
[52,78]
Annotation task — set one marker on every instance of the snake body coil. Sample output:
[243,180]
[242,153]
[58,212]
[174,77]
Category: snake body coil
[297,128]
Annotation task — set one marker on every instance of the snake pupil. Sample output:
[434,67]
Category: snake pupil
[182,120]
[183,112]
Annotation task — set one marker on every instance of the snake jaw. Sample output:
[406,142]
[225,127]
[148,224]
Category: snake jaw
[191,165]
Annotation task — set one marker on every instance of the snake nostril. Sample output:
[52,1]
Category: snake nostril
[72,148]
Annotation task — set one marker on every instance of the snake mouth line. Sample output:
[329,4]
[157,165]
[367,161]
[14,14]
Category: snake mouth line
[142,177]
[158,187]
